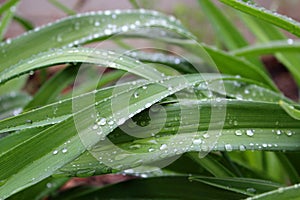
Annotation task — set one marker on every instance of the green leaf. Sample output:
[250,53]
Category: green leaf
[40,190]
[279,20]
[49,91]
[83,28]
[7,5]
[177,187]
[290,109]
[290,192]
[248,132]
[269,48]
[225,29]
[26,24]
[12,104]
[43,158]
[5,21]
[212,165]
[288,168]
[232,65]
[62,7]
[266,33]
[245,186]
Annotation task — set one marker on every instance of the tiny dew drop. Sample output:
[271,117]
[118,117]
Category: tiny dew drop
[58,38]
[55,152]
[197,141]
[278,132]
[235,122]
[228,147]
[101,122]
[136,94]
[238,132]
[64,150]
[289,133]
[49,185]
[250,132]
[95,127]
[163,147]
[242,148]
[121,121]
[251,190]
[290,41]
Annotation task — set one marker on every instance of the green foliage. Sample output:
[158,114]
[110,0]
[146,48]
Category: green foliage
[210,123]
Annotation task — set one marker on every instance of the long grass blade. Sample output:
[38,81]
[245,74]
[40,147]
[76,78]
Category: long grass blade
[279,20]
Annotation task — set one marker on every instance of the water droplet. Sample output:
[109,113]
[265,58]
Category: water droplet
[228,147]
[151,149]
[197,141]
[58,38]
[124,28]
[77,26]
[49,185]
[64,150]
[250,132]
[102,122]
[251,190]
[111,122]
[135,146]
[107,12]
[238,132]
[144,87]
[235,122]
[136,94]
[55,152]
[121,121]
[147,105]
[95,127]
[242,148]
[264,145]
[163,147]
[129,171]
[206,135]
[278,132]
[289,133]
[290,41]
[97,23]
[177,61]
[107,31]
